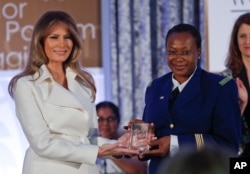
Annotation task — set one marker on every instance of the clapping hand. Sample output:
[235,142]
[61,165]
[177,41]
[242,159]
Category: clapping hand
[243,95]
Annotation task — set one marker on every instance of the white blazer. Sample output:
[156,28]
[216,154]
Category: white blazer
[57,123]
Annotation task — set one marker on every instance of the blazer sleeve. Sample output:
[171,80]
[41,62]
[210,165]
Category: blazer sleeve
[38,133]
[226,127]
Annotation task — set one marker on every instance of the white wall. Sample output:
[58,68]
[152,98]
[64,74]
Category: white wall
[12,140]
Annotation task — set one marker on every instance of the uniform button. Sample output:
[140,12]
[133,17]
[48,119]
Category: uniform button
[171,126]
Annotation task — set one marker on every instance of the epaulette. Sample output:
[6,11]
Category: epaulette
[225,80]
[149,84]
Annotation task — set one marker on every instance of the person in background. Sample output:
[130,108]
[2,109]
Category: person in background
[108,124]
[54,100]
[238,67]
[189,106]
[204,161]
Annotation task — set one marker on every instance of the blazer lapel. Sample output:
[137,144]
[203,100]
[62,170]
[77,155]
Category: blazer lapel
[78,89]
[60,96]
[54,93]
[167,88]
[164,93]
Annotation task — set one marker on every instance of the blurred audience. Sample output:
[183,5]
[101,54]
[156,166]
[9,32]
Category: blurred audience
[205,161]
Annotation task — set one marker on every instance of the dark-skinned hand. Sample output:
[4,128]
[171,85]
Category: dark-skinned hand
[160,148]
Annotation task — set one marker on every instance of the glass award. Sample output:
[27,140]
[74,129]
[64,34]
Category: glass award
[139,134]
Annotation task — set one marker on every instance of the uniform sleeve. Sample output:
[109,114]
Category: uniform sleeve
[226,123]
[38,134]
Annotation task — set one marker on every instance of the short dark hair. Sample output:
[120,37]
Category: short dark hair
[185,28]
[112,106]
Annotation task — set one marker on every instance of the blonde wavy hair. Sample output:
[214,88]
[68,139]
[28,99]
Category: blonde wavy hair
[37,56]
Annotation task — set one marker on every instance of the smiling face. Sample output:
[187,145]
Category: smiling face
[243,38]
[58,44]
[182,55]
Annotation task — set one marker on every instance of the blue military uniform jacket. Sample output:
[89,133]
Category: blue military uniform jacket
[205,112]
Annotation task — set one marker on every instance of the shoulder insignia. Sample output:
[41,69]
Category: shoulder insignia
[225,80]
[149,84]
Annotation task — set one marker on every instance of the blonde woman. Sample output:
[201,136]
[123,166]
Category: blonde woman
[54,101]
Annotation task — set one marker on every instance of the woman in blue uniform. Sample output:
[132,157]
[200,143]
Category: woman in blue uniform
[206,111]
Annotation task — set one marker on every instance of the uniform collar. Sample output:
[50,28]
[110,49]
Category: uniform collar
[181,86]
